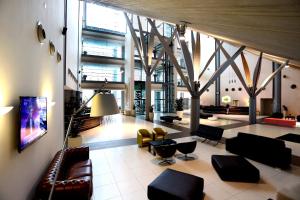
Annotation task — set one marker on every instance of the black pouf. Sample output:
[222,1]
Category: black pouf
[175,185]
[235,168]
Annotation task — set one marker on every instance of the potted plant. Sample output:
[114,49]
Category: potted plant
[179,107]
[133,111]
[151,114]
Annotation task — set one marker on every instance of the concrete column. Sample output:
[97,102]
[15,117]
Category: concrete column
[148,95]
[195,113]
[276,89]
[129,71]
[252,110]
[218,80]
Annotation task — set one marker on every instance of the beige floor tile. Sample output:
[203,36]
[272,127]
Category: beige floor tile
[129,186]
[103,179]
[106,192]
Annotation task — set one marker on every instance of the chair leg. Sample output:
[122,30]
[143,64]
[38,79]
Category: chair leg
[185,157]
[166,161]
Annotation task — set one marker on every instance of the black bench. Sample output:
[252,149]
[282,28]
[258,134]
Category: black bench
[170,118]
[209,132]
[175,185]
[235,168]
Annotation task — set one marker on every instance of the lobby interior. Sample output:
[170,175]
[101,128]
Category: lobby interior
[237,62]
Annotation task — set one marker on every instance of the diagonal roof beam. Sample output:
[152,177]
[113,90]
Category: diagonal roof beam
[142,39]
[209,60]
[221,69]
[246,69]
[187,57]
[197,55]
[150,49]
[270,77]
[193,42]
[136,41]
[256,73]
[171,55]
[236,69]
[162,52]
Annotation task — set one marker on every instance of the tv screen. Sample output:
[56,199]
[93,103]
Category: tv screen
[33,120]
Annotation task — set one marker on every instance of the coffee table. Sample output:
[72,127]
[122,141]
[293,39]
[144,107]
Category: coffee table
[170,119]
[153,144]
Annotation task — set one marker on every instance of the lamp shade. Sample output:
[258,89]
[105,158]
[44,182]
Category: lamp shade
[104,104]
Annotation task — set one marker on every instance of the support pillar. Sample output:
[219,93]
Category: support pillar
[276,89]
[195,113]
[218,80]
[148,95]
[252,110]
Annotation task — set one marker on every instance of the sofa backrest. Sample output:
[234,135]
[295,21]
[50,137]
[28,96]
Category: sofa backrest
[207,129]
[260,142]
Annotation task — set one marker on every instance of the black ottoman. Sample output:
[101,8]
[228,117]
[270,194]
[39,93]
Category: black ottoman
[235,168]
[175,185]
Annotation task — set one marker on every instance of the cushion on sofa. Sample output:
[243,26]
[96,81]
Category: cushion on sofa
[84,163]
[79,171]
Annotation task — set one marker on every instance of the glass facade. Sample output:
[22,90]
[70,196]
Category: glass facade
[101,47]
[105,18]
[98,72]
[87,93]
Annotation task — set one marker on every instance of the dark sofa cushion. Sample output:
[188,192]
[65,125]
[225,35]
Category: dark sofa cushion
[175,185]
[235,168]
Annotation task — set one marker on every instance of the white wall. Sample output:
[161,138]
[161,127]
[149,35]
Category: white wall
[229,74]
[27,69]
[290,97]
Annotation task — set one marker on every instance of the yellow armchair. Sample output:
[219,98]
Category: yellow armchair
[159,134]
[144,137]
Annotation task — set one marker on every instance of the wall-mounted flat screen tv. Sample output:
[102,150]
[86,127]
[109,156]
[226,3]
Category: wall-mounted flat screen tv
[33,120]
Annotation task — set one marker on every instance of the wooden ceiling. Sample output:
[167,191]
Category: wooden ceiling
[271,26]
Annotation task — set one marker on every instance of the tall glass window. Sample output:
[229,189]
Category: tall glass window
[98,72]
[102,48]
[105,18]
[87,93]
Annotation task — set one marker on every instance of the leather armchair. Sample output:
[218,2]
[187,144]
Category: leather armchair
[159,134]
[144,137]
[74,176]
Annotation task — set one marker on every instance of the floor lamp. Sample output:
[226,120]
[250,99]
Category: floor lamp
[103,103]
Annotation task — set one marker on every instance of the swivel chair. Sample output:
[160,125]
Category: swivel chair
[166,152]
[186,148]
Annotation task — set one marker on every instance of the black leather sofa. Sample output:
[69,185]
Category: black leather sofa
[75,176]
[262,149]
[233,110]
[209,132]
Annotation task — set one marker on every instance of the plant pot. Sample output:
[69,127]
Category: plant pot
[179,113]
[133,113]
[151,116]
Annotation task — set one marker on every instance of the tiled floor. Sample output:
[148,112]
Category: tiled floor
[119,127]
[124,173]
